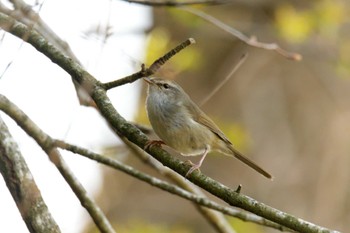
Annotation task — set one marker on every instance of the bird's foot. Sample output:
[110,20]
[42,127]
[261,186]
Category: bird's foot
[151,143]
[193,168]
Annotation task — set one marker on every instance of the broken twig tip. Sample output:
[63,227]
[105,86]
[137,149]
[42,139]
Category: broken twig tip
[297,57]
[192,41]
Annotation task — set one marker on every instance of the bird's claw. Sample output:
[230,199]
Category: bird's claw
[193,168]
[151,143]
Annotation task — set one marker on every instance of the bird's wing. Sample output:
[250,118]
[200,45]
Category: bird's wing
[203,119]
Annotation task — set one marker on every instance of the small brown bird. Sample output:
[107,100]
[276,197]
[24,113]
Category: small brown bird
[182,125]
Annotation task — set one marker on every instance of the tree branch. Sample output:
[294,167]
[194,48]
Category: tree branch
[98,93]
[22,186]
[46,143]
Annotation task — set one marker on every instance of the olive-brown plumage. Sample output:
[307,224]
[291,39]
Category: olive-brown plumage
[182,125]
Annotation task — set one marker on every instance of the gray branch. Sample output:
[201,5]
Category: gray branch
[22,186]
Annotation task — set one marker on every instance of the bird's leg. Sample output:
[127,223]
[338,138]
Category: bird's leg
[151,143]
[199,164]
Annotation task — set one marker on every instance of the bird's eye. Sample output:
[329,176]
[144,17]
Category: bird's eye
[166,86]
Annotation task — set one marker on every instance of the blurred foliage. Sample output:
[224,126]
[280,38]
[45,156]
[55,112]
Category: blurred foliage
[296,25]
[292,25]
[137,226]
[186,19]
[343,66]
[244,227]
[141,226]
[236,133]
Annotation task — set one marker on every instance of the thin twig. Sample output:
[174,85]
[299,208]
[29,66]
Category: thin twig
[223,82]
[145,72]
[252,41]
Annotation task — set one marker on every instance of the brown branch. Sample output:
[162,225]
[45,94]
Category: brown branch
[22,186]
[145,72]
[252,41]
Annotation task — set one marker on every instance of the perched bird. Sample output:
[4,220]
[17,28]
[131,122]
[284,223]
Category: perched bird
[183,126]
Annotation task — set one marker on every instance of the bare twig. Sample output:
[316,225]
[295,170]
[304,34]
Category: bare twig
[145,72]
[252,41]
[223,82]
[22,186]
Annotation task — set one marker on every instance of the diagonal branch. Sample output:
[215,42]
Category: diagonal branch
[120,125]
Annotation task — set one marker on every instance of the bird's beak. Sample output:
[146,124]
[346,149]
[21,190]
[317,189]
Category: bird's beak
[148,80]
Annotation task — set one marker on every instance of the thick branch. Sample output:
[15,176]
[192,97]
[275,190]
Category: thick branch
[22,186]
[98,93]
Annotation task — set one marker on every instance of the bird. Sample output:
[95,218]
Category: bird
[183,126]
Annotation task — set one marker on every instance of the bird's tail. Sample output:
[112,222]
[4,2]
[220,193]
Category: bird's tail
[250,163]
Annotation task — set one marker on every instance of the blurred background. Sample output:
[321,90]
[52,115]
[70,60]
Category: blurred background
[290,117]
